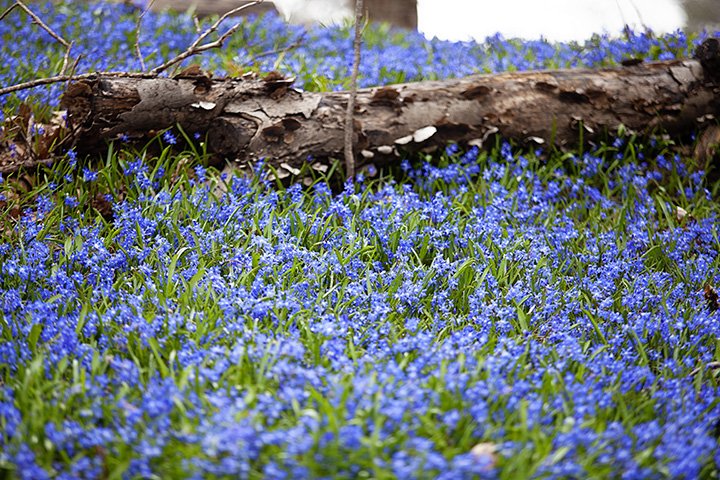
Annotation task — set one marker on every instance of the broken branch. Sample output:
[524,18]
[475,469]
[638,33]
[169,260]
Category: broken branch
[137,35]
[64,78]
[65,59]
[349,116]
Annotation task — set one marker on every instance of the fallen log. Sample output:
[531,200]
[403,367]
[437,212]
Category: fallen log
[251,117]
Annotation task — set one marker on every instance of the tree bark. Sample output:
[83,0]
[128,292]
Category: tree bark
[701,14]
[205,8]
[250,118]
[401,13]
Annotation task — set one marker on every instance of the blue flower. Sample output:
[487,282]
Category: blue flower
[169,137]
[89,175]
[71,201]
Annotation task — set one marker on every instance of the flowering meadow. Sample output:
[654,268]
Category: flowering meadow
[500,313]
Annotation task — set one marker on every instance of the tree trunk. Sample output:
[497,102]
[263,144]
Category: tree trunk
[701,14]
[401,13]
[247,119]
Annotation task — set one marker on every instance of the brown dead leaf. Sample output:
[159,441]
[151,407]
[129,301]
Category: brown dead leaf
[24,114]
[711,297]
[273,76]
[276,84]
[193,70]
[706,147]
[47,140]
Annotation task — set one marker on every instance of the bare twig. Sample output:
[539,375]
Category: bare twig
[197,48]
[5,13]
[37,20]
[74,66]
[64,78]
[197,25]
[640,17]
[349,117]
[137,35]
[26,164]
[72,71]
[283,50]
[66,58]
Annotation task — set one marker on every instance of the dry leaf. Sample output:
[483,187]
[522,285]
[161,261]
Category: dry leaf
[711,297]
[191,71]
[486,452]
[680,213]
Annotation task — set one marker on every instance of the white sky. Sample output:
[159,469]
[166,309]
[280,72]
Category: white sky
[554,19]
[529,19]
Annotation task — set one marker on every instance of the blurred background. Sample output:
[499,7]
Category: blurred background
[553,19]
[563,20]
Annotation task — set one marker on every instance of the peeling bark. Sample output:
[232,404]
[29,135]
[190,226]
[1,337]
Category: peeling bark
[251,118]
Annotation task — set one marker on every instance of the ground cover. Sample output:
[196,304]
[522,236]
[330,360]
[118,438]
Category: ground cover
[162,321]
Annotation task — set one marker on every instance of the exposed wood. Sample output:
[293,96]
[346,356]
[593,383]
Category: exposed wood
[251,118]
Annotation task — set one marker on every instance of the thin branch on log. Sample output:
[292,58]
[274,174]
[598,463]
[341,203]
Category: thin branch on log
[349,116]
[137,35]
[197,48]
[64,78]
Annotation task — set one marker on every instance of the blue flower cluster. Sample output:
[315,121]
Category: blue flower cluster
[552,309]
